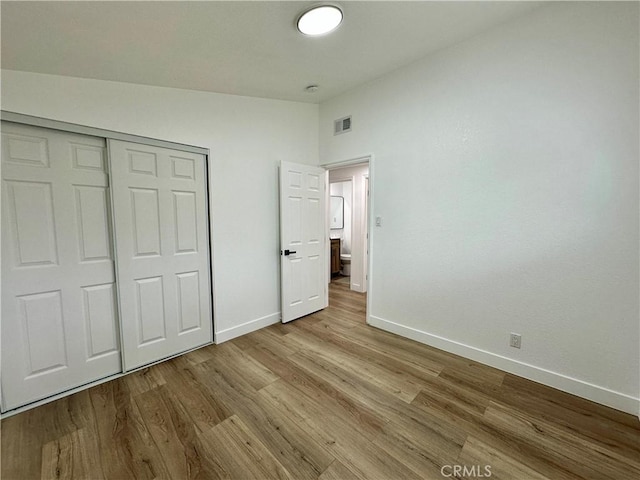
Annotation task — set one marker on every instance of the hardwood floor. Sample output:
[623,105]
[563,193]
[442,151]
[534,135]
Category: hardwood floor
[324,397]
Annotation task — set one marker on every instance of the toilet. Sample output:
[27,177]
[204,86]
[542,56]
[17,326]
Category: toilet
[345,264]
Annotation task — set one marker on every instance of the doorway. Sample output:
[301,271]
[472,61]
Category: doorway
[341,205]
[348,223]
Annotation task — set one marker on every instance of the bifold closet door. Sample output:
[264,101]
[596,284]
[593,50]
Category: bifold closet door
[160,219]
[59,320]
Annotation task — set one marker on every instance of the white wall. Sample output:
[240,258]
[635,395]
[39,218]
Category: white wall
[247,138]
[506,173]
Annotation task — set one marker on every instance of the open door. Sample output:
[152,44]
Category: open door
[303,248]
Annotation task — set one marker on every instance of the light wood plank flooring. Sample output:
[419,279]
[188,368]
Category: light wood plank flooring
[324,397]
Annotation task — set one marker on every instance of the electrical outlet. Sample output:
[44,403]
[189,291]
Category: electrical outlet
[515,340]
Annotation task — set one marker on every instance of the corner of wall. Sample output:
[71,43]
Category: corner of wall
[245,328]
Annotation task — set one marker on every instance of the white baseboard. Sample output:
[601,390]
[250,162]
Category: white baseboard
[595,393]
[247,327]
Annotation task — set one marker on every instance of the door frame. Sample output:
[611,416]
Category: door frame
[370,159]
[14,117]
[19,118]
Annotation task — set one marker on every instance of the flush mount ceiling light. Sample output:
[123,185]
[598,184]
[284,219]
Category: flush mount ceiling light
[319,19]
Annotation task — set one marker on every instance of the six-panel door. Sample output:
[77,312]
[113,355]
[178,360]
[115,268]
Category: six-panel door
[59,313]
[162,250]
[60,300]
[303,273]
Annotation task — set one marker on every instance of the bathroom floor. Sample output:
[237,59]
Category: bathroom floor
[341,280]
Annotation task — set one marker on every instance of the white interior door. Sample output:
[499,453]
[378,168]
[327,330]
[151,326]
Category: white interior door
[303,256]
[160,218]
[59,320]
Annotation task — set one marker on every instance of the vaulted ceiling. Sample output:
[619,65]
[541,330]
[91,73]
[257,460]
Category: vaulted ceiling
[237,47]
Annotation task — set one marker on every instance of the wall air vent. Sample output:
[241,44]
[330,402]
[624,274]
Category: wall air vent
[342,125]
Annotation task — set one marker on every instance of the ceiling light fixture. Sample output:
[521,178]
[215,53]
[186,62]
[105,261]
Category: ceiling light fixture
[319,19]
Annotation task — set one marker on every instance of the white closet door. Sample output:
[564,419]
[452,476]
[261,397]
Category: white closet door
[59,322]
[162,250]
